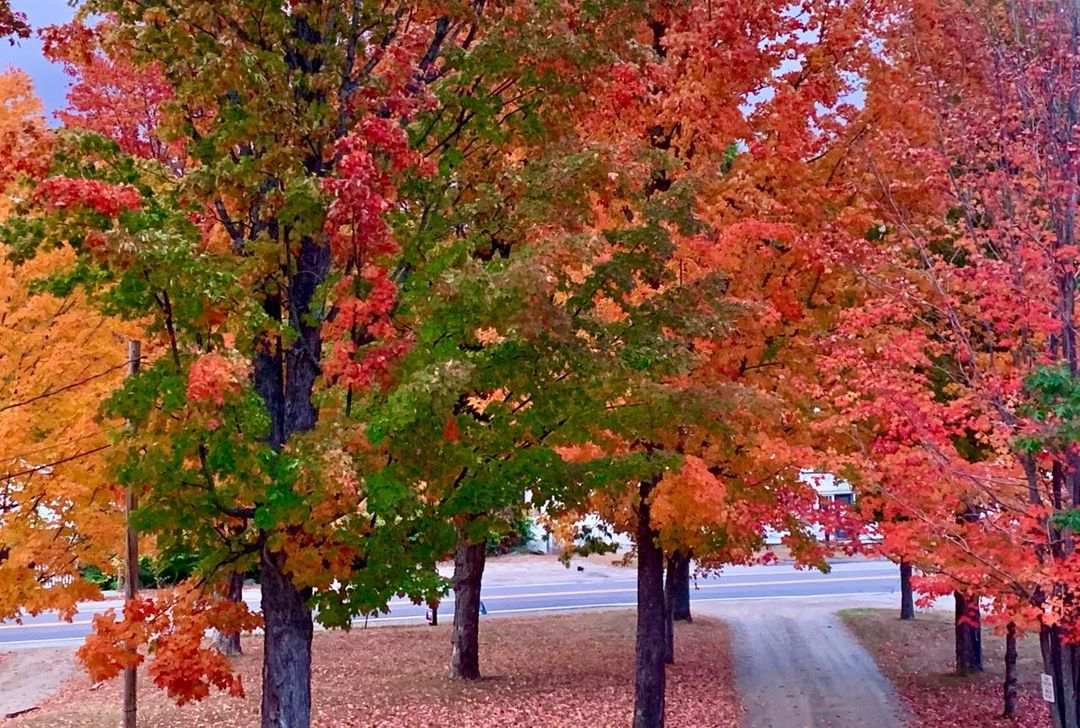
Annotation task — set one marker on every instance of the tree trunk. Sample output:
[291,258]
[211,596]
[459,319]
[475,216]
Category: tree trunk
[285,380]
[229,642]
[1062,663]
[968,628]
[286,677]
[465,641]
[1010,671]
[678,575]
[650,649]
[907,598]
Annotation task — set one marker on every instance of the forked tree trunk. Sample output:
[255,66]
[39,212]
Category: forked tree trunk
[907,597]
[1010,671]
[469,561]
[285,379]
[286,678]
[678,574]
[968,629]
[229,642]
[649,652]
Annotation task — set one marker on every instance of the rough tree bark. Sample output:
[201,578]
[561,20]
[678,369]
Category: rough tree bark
[1010,671]
[469,561]
[229,642]
[968,630]
[649,652]
[286,678]
[285,380]
[907,598]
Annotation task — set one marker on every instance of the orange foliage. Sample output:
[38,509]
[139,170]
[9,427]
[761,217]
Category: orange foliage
[58,359]
[172,625]
[756,148]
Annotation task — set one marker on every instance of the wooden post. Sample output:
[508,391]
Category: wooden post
[131,557]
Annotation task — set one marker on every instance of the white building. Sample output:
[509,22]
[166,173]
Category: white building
[828,487]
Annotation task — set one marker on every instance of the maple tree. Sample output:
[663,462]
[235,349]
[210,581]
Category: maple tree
[400,265]
[499,373]
[727,427]
[207,455]
[212,417]
[275,273]
[954,372]
[58,508]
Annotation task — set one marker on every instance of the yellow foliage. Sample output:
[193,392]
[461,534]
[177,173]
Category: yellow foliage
[58,360]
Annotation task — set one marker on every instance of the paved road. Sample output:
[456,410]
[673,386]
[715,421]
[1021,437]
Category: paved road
[524,587]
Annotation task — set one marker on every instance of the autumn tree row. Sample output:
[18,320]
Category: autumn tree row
[951,383]
[395,265]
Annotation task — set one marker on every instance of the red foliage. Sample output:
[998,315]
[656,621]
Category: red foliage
[212,376]
[64,193]
[12,23]
[364,190]
[364,343]
[108,94]
[967,188]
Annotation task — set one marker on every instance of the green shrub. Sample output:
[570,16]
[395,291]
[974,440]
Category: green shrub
[514,536]
[174,566]
[94,575]
[165,569]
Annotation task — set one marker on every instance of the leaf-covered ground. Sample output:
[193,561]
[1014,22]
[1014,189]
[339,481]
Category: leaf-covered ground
[570,670]
[918,657]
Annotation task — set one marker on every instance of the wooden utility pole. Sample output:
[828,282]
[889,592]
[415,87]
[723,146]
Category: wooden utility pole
[131,556]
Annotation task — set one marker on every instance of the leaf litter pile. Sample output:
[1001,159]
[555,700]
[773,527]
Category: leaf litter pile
[567,670]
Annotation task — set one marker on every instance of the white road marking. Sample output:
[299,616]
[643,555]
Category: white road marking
[32,625]
[607,605]
[700,587]
[534,595]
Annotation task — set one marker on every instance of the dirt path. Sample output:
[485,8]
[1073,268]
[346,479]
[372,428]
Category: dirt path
[28,677]
[797,666]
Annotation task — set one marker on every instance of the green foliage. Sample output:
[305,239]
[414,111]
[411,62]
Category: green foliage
[1054,406]
[174,566]
[590,540]
[162,570]
[515,535]
[1067,520]
[212,262]
[95,575]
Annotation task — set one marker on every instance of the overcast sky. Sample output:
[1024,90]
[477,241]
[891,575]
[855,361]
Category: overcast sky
[48,78]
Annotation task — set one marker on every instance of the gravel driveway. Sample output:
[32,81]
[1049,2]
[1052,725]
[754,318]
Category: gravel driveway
[797,666]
